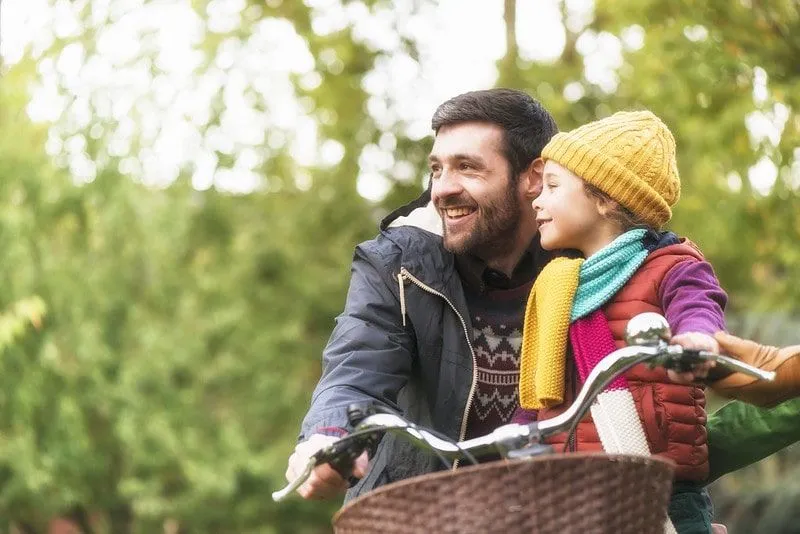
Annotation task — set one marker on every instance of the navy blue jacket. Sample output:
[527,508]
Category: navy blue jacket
[420,362]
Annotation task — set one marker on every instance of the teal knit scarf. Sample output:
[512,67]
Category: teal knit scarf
[606,271]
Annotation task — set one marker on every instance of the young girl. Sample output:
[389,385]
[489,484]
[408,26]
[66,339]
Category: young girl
[608,188]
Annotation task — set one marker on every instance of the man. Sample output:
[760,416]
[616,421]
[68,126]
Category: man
[433,318]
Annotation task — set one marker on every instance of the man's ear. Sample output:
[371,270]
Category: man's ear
[531,179]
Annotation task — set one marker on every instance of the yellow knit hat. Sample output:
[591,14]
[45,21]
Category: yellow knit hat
[630,156]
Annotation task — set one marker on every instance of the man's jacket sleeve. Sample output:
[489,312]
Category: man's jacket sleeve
[741,434]
[369,354]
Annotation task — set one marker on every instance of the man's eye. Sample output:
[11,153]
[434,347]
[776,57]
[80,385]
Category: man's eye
[435,171]
[466,166]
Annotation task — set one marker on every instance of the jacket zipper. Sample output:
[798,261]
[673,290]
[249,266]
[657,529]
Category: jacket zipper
[405,275]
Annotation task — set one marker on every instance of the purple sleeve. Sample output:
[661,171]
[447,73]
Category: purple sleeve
[692,299]
[523,416]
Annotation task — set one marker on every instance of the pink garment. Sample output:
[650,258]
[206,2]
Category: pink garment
[592,341]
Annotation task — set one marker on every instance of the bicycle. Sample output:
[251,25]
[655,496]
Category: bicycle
[619,492]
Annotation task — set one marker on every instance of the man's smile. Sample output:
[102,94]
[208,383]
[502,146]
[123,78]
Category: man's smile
[457,213]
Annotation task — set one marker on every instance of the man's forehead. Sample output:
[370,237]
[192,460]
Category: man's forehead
[467,137]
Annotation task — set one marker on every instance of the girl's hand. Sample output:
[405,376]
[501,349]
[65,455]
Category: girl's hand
[697,341]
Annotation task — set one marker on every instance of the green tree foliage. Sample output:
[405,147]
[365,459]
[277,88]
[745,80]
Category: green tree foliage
[716,85]
[159,343]
[183,330]
[716,72]
[181,340]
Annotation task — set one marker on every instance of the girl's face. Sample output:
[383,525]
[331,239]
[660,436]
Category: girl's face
[568,216]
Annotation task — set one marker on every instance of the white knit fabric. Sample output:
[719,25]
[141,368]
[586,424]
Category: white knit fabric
[620,428]
[618,423]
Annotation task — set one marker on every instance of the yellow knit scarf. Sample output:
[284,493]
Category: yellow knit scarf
[545,332]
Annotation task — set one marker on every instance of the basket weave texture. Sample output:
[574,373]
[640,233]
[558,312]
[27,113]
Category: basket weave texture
[579,492]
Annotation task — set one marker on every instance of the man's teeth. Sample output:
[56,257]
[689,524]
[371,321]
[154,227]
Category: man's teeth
[457,212]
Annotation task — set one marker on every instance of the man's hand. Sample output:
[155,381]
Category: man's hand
[696,341]
[324,482]
[785,362]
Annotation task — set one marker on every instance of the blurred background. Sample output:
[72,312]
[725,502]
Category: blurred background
[182,184]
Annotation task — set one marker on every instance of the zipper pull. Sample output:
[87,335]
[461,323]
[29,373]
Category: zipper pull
[401,278]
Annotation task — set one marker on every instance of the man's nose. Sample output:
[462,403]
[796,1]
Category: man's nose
[447,184]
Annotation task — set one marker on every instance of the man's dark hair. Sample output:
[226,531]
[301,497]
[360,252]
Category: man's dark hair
[527,126]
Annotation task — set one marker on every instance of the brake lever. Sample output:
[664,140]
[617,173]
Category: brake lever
[342,458]
[281,494]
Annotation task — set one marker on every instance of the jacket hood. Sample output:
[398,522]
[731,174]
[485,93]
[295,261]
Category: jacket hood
[419,213]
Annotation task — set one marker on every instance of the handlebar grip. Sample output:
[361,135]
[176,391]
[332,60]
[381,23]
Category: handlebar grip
[344,466]
[688,358]
[341,456]
[726,365]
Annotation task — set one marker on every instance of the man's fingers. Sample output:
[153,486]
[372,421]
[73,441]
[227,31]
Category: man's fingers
[303,452]
[735,346]
[317,491]
[323,483]
[361,465]
[292,469]
[328,475]
[297,465]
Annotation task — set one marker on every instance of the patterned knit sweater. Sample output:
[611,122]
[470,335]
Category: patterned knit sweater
[497,337]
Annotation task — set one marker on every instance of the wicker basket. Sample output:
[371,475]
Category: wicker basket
[579,492]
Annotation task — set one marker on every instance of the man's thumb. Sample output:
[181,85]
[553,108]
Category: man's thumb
[742,349]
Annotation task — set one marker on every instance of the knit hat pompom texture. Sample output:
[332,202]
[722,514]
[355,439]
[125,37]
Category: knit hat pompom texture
[630,156]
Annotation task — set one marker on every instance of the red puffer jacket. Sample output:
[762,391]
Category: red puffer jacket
[673,415]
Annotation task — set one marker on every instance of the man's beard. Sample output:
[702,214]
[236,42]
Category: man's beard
[495,230]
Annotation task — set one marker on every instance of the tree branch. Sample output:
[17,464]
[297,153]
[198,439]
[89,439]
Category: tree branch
[510,17]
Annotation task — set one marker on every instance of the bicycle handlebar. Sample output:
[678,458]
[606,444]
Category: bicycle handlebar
[512,437]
